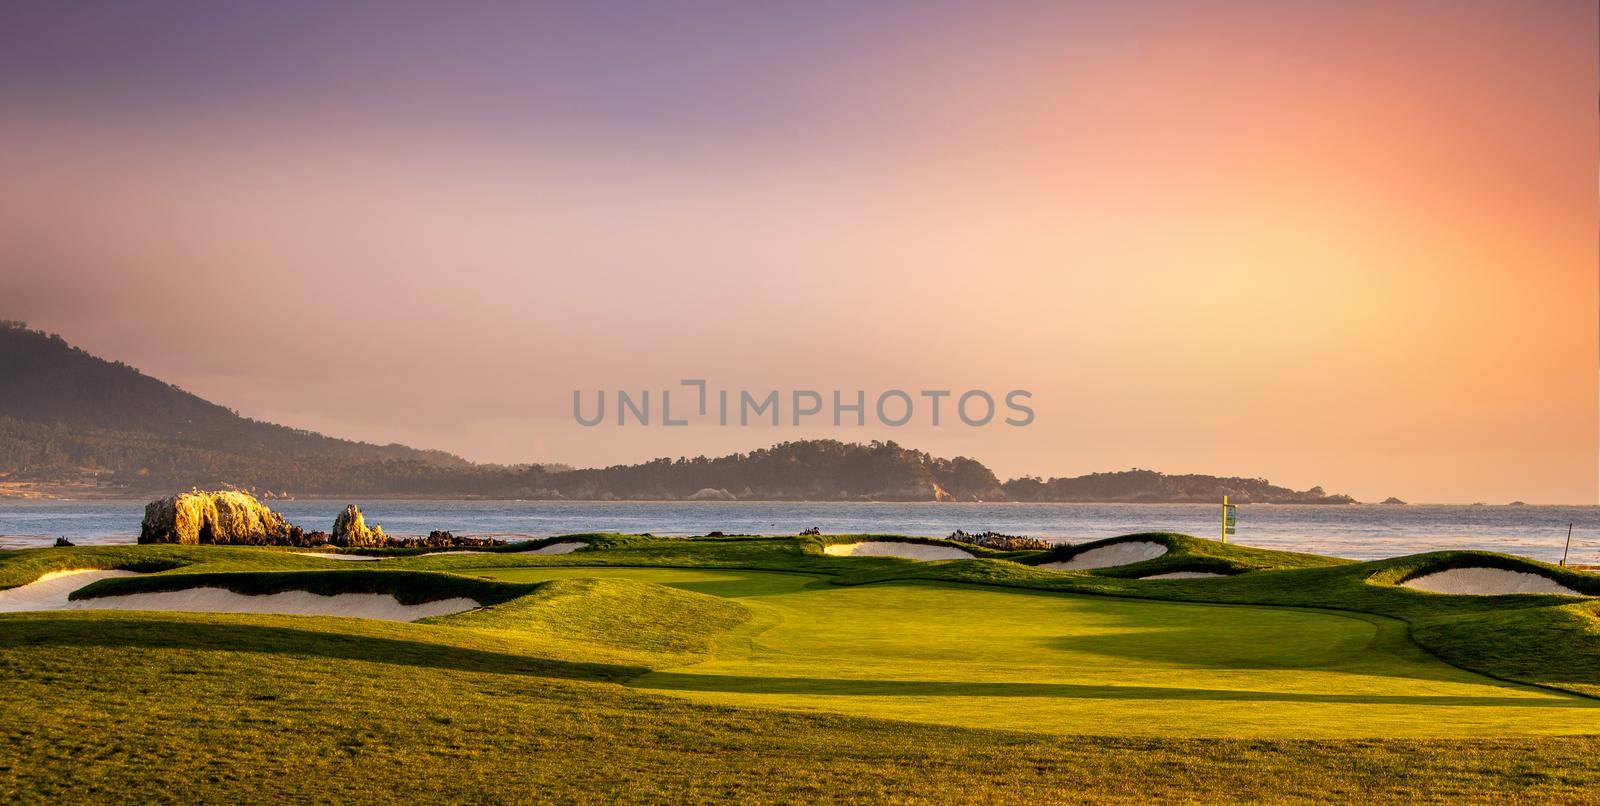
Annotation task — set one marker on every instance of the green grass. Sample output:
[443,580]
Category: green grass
[611,619]
[1062,664]
[761,669]
[162,707]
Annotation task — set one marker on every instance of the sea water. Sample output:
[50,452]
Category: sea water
[1358,532]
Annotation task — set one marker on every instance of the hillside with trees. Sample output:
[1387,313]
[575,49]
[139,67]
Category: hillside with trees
[71,419]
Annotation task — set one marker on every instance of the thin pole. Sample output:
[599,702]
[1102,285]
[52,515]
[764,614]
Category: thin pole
[1224,518]
[1569,545]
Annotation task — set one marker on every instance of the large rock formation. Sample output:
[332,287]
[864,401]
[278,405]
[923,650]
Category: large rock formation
[224,517]
[350,530]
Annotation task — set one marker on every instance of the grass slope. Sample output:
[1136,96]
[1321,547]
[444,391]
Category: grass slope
[524,700]
[611,619]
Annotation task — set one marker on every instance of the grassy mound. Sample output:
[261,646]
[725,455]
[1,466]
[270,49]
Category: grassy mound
[1400,570]
[1185,553]
[612,619]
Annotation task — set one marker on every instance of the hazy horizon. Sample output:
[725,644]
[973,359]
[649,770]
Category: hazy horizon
[1343,246]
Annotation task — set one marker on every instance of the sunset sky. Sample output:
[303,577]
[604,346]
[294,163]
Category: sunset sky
[1346,244]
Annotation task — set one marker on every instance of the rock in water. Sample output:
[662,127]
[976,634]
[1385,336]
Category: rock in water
[225,517]
[350,530]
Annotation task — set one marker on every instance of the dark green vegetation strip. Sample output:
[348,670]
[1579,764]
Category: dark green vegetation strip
[409,587]
[513,547]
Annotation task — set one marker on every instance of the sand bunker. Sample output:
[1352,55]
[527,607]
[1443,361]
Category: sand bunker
[564,547]
[1487,582]
[290,603]
[50,592]
[1184,575]
[328,555]
[1132,551]
[889,548]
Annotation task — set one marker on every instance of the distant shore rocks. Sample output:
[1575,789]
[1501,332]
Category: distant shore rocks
[1000,542]
[439,539]
[713,494]
[1393,502]
[224,517]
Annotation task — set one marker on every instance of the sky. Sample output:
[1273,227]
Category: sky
[1350,245]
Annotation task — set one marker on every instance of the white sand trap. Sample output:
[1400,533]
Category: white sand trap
[289,603]
[1487,582]
[447,553]
[50,591]
[328,555]
[1184,575]
[1133,551]
[889,548]
[564,547]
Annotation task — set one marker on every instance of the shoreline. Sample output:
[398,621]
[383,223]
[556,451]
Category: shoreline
[141,499]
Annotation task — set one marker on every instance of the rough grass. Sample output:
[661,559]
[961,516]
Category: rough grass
[218,708]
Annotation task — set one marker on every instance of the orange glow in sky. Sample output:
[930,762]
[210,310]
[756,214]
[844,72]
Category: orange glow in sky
[1351,245]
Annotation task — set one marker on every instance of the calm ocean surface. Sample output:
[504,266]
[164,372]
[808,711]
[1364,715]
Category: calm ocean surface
[1357,532]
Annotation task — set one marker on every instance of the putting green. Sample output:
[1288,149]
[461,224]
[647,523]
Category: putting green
[1068,664]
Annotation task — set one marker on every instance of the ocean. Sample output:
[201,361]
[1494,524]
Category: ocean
[1360,532]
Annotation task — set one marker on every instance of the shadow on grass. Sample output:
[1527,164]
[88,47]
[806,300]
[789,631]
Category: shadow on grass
[146,633]
[678,681]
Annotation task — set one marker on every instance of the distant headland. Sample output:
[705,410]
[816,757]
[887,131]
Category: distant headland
[73,424]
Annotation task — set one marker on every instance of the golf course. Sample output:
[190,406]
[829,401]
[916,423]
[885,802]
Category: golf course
[824,667]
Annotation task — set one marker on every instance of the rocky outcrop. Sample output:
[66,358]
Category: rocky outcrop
[713,494]
[350,530]
[439,539]
[1000,542]
[225,517]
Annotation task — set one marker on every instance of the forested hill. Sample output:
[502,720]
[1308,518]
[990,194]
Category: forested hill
[69,418]
[66,415]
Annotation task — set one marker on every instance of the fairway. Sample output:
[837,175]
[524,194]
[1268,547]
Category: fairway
[971,656]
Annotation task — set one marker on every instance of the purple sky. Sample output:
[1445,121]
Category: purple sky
[1345,245]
